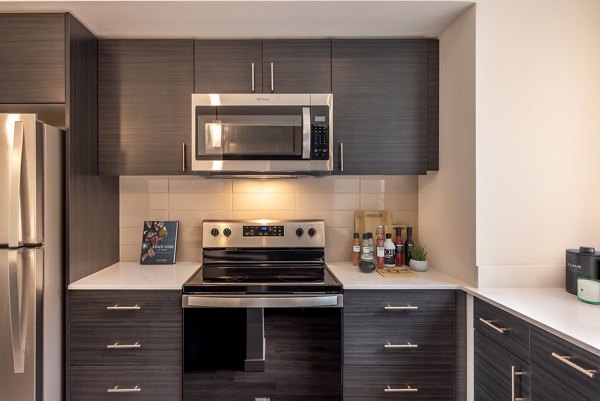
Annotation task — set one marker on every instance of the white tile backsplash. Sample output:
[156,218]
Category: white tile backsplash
[191,200]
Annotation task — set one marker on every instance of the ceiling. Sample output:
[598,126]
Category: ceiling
[256,19]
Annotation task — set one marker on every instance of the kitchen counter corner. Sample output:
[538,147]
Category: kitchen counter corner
[133,276]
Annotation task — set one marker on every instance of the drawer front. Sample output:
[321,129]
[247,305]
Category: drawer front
[369,383]
[555,372]
[494,372]
[515,332]
[399,306]
[126,344]
[161,383]
[411,345]
[125,306]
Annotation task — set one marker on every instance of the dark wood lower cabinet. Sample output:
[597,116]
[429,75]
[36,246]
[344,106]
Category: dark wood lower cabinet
[495,370]
[400,345]
[119,383]
[125,345]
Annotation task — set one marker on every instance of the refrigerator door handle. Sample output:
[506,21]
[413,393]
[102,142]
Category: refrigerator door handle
[15,313]
[14,222]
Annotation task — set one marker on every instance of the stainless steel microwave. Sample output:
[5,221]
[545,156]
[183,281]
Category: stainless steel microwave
[262,134]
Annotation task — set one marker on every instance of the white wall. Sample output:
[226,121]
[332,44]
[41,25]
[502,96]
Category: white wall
[447,197]
[538,129]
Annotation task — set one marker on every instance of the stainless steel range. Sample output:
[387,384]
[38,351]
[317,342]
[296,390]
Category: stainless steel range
[262,317]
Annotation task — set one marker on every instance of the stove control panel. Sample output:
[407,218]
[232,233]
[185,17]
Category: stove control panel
[263,233]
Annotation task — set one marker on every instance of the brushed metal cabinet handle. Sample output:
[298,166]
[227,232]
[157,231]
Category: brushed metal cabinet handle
[117,389]
[513,374]
[407,307]
[253,84]
[490,323]
[408,389]
[272,83]
[183,157]
[117,307]
[341,156]
[591,373]
[404,346]
[116,345]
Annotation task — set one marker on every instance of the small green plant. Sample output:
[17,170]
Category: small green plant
[419,252]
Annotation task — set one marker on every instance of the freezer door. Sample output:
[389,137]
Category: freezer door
[21,276]
[21,180]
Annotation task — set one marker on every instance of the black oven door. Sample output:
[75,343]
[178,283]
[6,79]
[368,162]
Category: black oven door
[262,354]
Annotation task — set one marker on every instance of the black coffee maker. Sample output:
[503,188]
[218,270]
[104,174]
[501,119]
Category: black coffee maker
[582,262]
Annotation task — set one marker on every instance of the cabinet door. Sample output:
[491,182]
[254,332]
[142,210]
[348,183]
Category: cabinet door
[494,377]
[299,66]
[144,102]
[32,58]
[380,106]
[228,66]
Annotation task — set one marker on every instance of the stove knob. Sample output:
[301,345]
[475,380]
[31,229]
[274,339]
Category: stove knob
[312,232]
[227,232]
[214,232]
[299,232]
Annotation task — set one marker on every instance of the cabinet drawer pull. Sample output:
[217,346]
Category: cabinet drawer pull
[253,86]
[117,389]
[272,83]
[341,156]
[407,307]
[591,373]
[117,307]
[408,389]
[491,324]
[124,346]
[407,345]
[183,157]
[513,374]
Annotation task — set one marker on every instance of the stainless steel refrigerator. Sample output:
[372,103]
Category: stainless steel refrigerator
[31,259]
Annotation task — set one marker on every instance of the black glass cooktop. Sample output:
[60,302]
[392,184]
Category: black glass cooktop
[263,278]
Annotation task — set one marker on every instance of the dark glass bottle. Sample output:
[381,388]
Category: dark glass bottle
[408,246]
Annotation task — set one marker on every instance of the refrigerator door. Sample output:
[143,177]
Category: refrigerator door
[21,286]
[21,182]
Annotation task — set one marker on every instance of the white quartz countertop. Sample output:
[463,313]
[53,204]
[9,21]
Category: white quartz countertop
[552,309]
[133,276]
[354,279]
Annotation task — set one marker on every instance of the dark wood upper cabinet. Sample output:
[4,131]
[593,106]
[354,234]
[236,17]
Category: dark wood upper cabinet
[380,95]
[228,66]
[32,54]
[244,66]
[144,102]
[299,66]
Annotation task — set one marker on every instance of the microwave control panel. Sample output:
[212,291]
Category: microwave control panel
[319,142]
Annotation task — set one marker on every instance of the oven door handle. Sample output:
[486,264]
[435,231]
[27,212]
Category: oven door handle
[250,301]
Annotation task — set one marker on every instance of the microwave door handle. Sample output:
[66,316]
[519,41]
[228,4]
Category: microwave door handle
[306,132]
